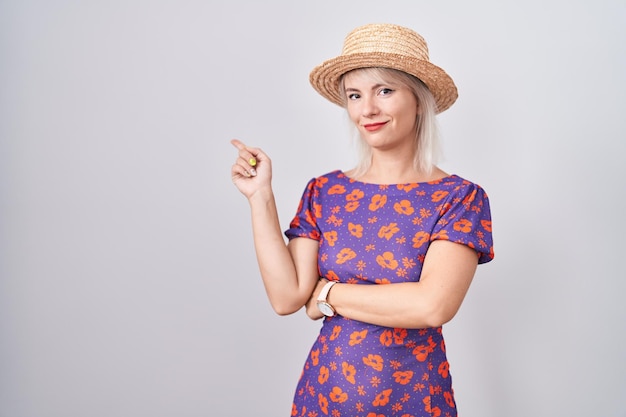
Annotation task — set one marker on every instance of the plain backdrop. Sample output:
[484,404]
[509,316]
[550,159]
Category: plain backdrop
[129,286]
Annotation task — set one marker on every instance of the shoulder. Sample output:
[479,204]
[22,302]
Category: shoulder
[457,185]
[328,180]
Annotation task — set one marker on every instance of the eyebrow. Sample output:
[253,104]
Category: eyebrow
[374,87]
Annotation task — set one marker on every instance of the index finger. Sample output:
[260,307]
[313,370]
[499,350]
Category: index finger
[238,144]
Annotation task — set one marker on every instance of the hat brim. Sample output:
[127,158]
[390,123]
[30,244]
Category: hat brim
[325,77]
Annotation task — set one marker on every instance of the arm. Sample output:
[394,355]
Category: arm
[289,273]
[446,276]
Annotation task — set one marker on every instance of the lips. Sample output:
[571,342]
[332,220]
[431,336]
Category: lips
[372,127]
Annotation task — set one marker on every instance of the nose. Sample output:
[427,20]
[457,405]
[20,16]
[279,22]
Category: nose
[369,107]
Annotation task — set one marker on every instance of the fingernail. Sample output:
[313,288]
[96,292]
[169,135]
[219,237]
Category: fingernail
[252,162]
[253,172]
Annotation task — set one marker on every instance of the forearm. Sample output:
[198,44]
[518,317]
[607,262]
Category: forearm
[286,291]
[402,305]
[445,279]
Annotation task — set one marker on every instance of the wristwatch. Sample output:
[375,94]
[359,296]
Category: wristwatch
[322,304]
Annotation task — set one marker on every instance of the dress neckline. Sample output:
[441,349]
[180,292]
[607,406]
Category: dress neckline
[342,174]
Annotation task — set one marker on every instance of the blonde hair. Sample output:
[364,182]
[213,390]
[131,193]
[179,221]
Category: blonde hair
[427,148]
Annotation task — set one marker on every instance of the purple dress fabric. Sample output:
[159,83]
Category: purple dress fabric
[372,234]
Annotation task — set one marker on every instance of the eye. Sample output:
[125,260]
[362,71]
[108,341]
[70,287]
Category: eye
[353,96]
[385,91]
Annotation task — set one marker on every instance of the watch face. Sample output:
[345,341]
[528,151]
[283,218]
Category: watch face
[326,309]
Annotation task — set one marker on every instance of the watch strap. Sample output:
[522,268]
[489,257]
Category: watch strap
[325,290]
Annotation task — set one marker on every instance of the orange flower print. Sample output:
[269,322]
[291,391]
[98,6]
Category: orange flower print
[345,255]
[377,202]
[332,276]
[426,401]
[355,195]
[335,333]
[386,260]
[486,224]
[375,361]
[449,399]
[351,206]
[331,237]
[323,403]
[438,195]
[360,265]
[408,263]
[309,217]
[444,369]
[424,213]
[355,230]
[374,415]
[317,210]
[468,199]
[463,225]
[386,338]
[315,357]
[420,238]
[336,189]
[334,220]
[337,395]
[443,235]
[403,377]
[357,337]
[321,181]
[324,374]
[399,335]
[382,398]
[444,208]
[387,231]
[407,187]
[349,371]
[421,353]
[404,207]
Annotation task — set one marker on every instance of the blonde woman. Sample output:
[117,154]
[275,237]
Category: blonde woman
[385,252]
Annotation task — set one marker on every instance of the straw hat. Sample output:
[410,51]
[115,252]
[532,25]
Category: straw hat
[388,46]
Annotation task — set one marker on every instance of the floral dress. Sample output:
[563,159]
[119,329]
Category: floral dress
[372,234]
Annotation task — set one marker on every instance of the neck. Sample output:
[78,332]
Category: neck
[395,170]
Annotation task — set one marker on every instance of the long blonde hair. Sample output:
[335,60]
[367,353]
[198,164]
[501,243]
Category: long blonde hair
[427,148]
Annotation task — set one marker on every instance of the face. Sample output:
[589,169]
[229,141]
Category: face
[385,113]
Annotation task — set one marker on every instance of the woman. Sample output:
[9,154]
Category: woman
[395,219]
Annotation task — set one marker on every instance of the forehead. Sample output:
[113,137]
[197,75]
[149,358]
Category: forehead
[371,76]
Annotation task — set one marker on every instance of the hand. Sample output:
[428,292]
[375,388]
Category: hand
[252,170]
[311,306]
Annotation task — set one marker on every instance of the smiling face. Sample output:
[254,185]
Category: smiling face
[383,110]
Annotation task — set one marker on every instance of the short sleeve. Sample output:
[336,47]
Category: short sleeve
[304,223]
[465,218]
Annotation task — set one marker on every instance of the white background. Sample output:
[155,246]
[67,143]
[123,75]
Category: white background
[128,280]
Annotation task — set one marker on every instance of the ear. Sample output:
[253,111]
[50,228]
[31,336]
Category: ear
[418,109]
